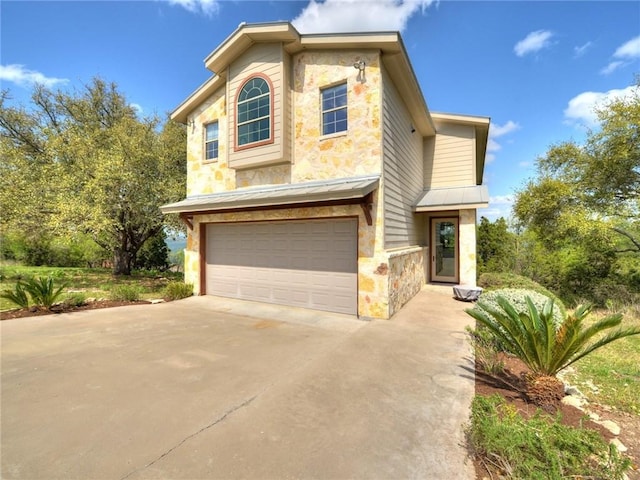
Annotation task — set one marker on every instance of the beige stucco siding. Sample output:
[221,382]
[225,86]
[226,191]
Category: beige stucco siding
[266,60]
[403,171]
[346,154]
[450,156]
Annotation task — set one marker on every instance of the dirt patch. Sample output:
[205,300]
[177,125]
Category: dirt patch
[36,312]
[511,386]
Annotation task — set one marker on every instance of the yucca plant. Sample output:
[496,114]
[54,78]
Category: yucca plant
[43,291]
[18,295]
[545,346]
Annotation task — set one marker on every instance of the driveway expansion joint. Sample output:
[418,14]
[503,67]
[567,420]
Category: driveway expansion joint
[195,434]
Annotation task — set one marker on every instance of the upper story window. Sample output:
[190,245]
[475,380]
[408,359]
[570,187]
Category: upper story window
[254,112]
[211,141]
[334,109]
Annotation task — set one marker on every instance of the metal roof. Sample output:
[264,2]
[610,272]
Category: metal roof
[278,195]
[449,198]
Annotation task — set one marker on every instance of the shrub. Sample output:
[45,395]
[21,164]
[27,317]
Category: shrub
[517,298]
[43,291]
[18,295]
[178,290]
[486,349]
[126,293]
[539,448]
[75,300]
[494,281]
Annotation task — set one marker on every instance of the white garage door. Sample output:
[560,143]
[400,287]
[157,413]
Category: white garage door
[311,264]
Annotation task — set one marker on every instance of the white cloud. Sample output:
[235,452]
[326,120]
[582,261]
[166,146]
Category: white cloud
[357,15]
[582,49]
[612,67]
[499,206]
[207,7]
[137,107]
[500,130]
[581,108]
[625,54]
[501,200]
[19,75]
[533,42]
[496,131]
[630,49]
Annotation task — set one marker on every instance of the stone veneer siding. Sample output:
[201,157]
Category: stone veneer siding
[406,276]
[373,284]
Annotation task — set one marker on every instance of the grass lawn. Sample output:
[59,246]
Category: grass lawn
[611,375]
[90,282]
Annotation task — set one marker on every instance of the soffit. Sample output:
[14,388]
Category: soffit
[453,198]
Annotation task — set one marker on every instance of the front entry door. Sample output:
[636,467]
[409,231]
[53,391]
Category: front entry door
[444,250]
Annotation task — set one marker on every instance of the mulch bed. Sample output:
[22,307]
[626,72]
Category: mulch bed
[511,386]
[36,312]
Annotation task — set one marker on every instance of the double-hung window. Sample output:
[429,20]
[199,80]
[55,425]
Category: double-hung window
[334,109]
[211,141]
[254,112]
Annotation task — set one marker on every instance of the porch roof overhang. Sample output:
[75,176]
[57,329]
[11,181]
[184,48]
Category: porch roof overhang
[453,198]
[353,190]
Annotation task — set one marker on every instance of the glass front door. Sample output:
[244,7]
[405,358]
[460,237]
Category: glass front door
[444,250]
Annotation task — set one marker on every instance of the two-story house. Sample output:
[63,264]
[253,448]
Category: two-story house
[317,176]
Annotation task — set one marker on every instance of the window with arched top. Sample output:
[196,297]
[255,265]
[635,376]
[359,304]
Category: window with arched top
[253,112]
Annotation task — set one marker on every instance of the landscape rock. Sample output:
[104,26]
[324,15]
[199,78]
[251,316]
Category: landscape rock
[156,300]
[571,390]
[594,388]
[619,445]
[574,401]
[613,427]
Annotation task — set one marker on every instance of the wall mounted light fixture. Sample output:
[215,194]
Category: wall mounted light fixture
[359,65]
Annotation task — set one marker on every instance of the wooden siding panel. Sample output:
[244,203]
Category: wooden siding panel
[403,170]
[450,157]
[268,60]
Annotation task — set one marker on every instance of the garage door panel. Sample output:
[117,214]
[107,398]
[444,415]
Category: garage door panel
[311,264]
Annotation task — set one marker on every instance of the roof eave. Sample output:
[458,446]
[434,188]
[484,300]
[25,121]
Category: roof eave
[245,36]
[181,113]
[458,206]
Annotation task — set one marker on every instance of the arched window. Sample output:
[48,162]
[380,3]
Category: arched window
[253,122]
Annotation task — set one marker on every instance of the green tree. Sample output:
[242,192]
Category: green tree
[84,163]
[154,254]
[584,204]
[496,246]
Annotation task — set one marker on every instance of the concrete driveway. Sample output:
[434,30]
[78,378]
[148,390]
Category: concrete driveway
[213,388]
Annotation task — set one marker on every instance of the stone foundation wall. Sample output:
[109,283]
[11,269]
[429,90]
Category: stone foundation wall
[406,276]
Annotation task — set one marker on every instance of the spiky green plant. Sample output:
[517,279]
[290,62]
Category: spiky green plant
[543,345]
[18,295]
[43,291]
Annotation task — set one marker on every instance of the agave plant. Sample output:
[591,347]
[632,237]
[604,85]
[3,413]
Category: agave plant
[545,346]
[43,292]
[18,295]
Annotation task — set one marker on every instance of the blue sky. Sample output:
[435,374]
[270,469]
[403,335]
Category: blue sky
[536,68]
